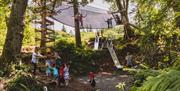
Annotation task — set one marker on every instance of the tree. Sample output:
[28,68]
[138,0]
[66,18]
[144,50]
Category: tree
[122,7]
[76,22]
[15,29]
[160,33]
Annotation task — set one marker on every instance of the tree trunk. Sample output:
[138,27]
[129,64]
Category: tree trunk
[15,29]
[123,8]
[76,22]
[43,25]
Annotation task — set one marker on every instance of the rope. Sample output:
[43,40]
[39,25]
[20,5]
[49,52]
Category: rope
[64,9]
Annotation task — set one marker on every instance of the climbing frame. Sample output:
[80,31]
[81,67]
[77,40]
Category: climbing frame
[45,10]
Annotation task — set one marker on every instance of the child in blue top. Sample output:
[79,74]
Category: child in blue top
[48,64]
[55,71]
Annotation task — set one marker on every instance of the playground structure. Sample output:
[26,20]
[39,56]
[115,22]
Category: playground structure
[94,18]
[109,45]
[113,55]
[46,24]
[96,43]
[91,17]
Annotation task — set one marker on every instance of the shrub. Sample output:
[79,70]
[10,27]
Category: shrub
[24,83]
[82,60]
[21,80]
[168,81]
[141,76]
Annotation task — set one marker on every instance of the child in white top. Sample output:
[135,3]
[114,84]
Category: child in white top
[66,74]
[34,60]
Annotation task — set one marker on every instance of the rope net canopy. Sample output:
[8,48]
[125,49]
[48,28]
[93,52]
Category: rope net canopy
[94,18]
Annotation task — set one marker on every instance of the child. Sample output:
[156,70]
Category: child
[61,75]
[55,73]
[129,60]
[48,64]
[58,61]
[92,80]
[66,74]
[34,59]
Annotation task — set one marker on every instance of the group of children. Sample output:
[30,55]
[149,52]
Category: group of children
[55,68]
[59,70]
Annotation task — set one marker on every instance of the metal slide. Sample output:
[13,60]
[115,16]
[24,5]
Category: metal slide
[114,56]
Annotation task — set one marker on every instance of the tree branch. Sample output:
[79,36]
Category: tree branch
[127,5]
[124,4]
[134,26]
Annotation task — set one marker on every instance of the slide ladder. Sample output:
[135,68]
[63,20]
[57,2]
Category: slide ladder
[96,43]
[114,56]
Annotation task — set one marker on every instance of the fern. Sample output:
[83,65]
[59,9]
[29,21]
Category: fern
[169,81]
[24,87]
[153,88]
[174,83]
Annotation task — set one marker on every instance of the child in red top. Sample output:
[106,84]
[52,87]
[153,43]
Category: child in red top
[92,80]
[61,75]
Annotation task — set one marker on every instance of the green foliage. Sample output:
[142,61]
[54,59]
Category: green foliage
[82,60]
[177,62]
[1,73]
[141,75]
[29,34]
[4,9]
[61,36]
[121,86]
[168,81]
[156,19]
[79,59]
[114,33]
[22,81]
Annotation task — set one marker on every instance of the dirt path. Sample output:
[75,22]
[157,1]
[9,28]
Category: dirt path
[107,81]
[104,82]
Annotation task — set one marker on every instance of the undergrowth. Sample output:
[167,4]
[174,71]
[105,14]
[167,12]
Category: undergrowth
[21,80]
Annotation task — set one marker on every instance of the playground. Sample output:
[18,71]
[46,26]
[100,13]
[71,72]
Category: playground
[89,45]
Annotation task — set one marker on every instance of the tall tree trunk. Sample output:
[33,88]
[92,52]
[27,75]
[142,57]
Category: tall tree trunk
[123,8]
[76,22]
[43,25]
[15,29]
